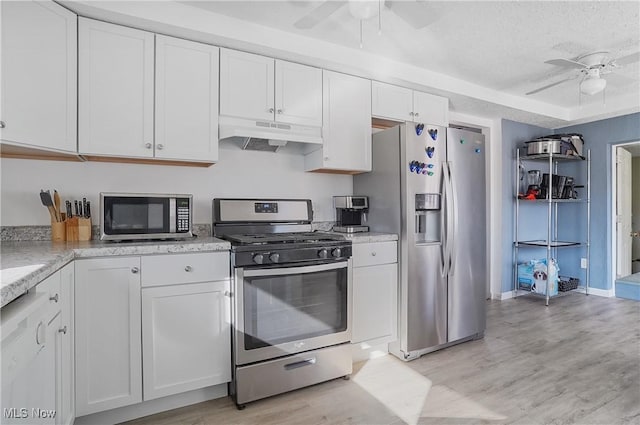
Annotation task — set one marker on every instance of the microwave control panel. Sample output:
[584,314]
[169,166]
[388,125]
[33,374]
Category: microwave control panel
[182,207]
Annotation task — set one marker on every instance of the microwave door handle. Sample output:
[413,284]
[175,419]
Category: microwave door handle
[295,270]
[172,215]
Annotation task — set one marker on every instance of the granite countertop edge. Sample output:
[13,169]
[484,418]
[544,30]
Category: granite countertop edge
[369,237]
[24,268]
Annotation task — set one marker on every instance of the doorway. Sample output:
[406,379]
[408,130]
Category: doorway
[626,216]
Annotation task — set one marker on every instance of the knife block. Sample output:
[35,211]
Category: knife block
[78,229]
[58,231]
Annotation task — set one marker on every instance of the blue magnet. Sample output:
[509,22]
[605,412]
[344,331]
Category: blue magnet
[478,150]
[433,133]
[430,151]
[430,166]
[419,129]
[462,141]
[430,173]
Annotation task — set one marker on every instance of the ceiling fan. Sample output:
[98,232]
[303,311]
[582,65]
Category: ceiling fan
[415,13]
[592,67]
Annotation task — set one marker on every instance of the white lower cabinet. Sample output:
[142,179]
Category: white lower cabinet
[185,337]
[375,292]
[108,346]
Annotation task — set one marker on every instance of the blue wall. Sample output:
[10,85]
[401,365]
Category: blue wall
[514,134]
[599,136]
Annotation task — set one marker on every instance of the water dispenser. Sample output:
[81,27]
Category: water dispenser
[427,218]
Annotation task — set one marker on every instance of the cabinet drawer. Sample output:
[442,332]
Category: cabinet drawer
[51,288]
[369,254]
[171,269]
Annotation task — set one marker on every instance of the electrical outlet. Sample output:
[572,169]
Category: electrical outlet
[583,263]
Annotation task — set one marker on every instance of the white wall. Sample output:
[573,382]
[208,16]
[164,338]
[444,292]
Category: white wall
[238,174]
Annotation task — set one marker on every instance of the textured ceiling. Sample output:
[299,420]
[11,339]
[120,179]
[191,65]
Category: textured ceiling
[499,45]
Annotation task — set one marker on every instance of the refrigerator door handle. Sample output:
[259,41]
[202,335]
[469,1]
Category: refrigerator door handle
[446,172]
[443,223]
[454,221]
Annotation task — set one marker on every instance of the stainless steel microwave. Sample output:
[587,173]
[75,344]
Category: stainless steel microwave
[131,216]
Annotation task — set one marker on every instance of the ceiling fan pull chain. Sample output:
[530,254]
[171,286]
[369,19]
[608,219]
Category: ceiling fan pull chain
[380,17]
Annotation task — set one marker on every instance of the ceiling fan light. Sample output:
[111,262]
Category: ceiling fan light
[364,9]
[591,86]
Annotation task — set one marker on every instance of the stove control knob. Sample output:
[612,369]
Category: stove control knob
[258,258]
[323,253]
[336,252]
[275,257]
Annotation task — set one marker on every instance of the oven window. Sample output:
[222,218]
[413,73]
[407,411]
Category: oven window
[279,309]
[136,215]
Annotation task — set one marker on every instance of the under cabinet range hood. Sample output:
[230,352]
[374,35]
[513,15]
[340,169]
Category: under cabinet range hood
[267,135]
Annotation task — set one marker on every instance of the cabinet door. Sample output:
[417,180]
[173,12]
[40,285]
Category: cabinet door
[246,85]
[186,119]
[393,102]
[66,403]
[430,109]
[298,94]
[347,122]
[186,337]
[108,334]
[115,90]
[39,75]
[375,297]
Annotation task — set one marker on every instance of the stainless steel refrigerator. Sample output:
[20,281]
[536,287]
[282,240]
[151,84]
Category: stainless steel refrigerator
[428,186]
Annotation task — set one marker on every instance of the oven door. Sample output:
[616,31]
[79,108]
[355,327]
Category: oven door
[281,311]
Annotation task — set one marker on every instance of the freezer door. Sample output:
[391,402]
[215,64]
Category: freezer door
[423,285]
[467,277]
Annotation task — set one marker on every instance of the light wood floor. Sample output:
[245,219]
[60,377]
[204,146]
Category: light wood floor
[574,362]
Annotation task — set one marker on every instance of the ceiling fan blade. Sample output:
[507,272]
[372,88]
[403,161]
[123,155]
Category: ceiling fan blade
[416,13]
[318,14]
[553,84]
[567,63]
[626,60]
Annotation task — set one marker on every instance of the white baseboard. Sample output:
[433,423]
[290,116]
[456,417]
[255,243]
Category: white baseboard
[501,296]
[607,293]
[151,407]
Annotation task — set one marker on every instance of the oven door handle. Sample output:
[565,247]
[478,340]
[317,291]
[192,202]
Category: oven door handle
[295,270]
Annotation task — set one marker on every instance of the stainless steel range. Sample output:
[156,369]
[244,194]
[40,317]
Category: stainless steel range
[292,296]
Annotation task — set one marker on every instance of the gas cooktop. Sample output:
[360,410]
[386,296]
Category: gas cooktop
[280,238]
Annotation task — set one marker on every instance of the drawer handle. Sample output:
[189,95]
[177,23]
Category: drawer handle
[54,298]
[373,254]
[188,269]
[135,270]
[41,334]
[63,330]
[302,363]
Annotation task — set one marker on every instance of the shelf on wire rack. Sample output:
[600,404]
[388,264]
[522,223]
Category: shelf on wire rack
[553,244]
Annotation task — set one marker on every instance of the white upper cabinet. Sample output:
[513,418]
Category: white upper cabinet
[186,118]
[430,109]
[115,90]
[262,88]
[39,77]
[298,96]
[346,125]
[389,101]
[403,104]
[246,85]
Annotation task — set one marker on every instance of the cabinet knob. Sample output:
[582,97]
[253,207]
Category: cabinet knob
[188,269]
[160,146]
[416,114]
[279,111]
[54,298]
[373,254]
[227,294]
[148,145]
[326,158]
[135,270]
[63,330]
[410,114]
[2,125]
[271,110]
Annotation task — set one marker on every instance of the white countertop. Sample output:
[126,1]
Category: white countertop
[25,264]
